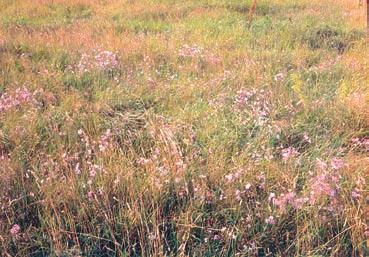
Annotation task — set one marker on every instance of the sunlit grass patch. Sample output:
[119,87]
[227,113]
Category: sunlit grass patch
[183,128]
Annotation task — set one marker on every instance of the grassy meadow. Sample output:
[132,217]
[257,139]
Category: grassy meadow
[184,128]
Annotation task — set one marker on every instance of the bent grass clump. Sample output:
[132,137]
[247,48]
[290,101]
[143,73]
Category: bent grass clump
[200,134]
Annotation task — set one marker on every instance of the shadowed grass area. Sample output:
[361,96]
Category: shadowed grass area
[180,128]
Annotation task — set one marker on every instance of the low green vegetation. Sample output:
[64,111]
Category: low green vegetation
[183,128]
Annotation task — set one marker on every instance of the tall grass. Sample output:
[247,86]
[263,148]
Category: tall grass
[179,128]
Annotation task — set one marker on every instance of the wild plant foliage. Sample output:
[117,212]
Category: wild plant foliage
[183,128]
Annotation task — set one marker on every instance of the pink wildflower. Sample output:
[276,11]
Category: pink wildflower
[324,184]
[238,195]
[15,229]
[92,172]
[270,220]
[90,195]
[104,142]
[298,202]
[216,237]
[101,60]
[271,197]
[279,77]
[306,138]
[337,163]
[288,153]
[243,97]
[366,232]
[106,60]
[77,169]
[362,143]
[289,198]
[190,51]
[233,176]
[196,51]
[355,193]
[20,97]
[253,103]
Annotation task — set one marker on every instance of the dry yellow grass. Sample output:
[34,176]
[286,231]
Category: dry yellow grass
[179,128]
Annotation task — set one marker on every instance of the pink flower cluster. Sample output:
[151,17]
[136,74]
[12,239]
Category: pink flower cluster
[93,169]
[337,164]
[323,185]
[362,143]
[326,183]
[289,152]
[15,230]
[231,177]
[91,150]
[359,188]
[100,60]
[90,195]
[355,193]
[239,193]
[244,97]
[106,60]
[287,199]
[21,96]
[196,51]
[270,220]
[279,77]
[105,141]
[254,103]
[191,51]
